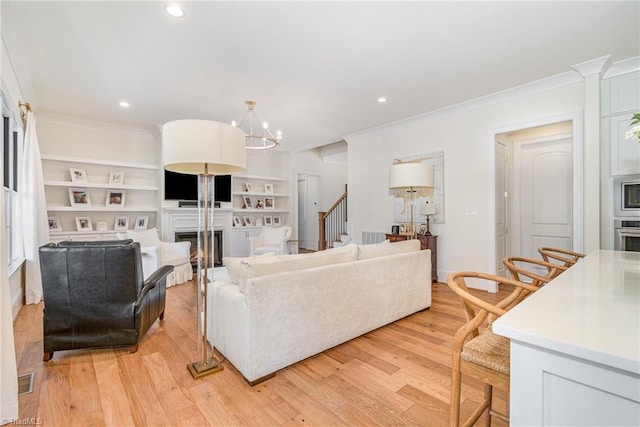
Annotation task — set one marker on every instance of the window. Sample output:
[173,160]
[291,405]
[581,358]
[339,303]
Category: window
[12,145]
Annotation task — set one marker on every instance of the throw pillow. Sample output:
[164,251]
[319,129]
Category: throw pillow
[256,267]
[233,265]
[386,248]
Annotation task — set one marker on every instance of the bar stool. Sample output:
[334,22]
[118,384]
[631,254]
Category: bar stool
[481,354]
[568,258]
[521,268]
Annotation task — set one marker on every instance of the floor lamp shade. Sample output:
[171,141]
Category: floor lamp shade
[204,148]
[197,147]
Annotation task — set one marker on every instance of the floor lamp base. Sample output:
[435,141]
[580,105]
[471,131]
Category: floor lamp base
[201,369]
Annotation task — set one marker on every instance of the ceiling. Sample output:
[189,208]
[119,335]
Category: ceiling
[316,69]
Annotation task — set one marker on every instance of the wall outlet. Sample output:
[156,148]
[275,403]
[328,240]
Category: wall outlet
[472,212]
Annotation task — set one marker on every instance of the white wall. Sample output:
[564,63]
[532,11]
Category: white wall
[464,242]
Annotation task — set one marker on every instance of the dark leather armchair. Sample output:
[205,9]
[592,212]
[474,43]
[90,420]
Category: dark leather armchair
[95,295]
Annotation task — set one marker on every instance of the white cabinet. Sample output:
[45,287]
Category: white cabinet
[620,100]
[139,191]
[624,153]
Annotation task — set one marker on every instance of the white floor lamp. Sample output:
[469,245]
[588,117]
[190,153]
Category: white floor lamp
[204,148]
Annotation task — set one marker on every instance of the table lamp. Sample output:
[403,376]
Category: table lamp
[204,148]
[429,210]
[408,178]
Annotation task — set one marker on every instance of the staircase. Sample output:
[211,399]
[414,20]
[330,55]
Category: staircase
[332,225]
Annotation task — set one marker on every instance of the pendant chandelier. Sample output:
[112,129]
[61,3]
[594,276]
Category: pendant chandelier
[259,137]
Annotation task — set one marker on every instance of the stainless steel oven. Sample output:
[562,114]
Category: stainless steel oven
[626,194]
[627,235]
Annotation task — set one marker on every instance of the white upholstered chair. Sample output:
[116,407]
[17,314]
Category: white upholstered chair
[271,239]
[156,253]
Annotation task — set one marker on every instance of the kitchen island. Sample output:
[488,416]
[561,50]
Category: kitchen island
[575,346]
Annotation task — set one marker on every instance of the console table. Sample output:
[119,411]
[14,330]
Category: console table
[426,242]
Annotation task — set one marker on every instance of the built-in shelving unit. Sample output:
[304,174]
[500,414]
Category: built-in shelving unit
[140,188]
[257,188]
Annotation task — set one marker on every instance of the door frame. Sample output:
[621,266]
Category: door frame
[578,166]
[297,175]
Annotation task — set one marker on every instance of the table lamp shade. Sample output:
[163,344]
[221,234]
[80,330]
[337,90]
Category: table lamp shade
[410,175]
[189,145]
[429,209]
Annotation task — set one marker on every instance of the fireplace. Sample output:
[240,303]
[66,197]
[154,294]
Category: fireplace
[192,236]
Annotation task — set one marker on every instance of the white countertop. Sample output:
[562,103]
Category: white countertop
[591,311]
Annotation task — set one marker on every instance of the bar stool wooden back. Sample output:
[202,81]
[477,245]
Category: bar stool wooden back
[477,351]
[521,269]
[567,258]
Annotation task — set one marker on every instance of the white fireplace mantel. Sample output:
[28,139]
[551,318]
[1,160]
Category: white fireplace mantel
[186,219]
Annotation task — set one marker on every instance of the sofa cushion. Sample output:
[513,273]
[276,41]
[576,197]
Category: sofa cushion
[273,236]
[387,248]
[233,265]
[259,266]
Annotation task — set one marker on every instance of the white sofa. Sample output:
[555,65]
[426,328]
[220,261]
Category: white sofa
[276,310]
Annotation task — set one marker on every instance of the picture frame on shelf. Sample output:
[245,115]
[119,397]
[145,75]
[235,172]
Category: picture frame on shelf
[115,198]
[248,187]
[121,223]
[101,225]
[259,204]
[408,229]
[268,221]
[277,222]
[116,178]
[79,197]
[78,175]
[269,202]
[83,223]
[268,188]
[258,222]
[423,229]
[141,222]
[247,221]
[237,221]
[54,224]
[246,202]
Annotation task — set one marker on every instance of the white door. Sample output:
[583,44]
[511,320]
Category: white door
[313,204]
[543,195]
[302,210]
[502,206]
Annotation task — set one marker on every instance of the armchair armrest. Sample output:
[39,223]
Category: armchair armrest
[152,281]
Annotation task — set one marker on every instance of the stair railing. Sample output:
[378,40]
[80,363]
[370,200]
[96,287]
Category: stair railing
[332,223]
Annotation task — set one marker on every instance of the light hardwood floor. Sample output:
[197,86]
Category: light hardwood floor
[396,375]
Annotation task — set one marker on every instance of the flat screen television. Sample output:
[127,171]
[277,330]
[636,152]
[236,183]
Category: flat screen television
[179,186]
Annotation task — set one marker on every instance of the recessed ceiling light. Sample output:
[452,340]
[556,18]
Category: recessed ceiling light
[124,104]
[382,100]
[175,11]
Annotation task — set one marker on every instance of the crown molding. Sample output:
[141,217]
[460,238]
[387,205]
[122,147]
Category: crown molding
[625,66]
[91,124]
[539,86]
[594,66]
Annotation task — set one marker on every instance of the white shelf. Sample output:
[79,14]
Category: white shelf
[100,185]
[263,211]
[72,233]
[98,162]
[101,209]
[263,178]
[255,193]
